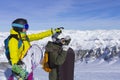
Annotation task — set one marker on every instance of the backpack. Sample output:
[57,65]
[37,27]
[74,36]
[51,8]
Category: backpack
[45,63]
[6,41]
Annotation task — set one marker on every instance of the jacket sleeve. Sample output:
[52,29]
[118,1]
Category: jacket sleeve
[60,58]
[40,35]
[13,49]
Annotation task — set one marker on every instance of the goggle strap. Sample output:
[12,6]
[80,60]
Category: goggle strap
[18,25]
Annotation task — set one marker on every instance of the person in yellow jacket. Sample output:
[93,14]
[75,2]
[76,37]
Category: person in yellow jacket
[19,28]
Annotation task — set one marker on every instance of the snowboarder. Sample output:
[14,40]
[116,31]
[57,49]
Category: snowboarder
[57,51]
[19,28]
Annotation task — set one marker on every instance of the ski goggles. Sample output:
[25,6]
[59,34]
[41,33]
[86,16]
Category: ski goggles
[26,26]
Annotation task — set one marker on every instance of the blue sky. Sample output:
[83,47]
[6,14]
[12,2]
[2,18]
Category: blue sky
[71,14]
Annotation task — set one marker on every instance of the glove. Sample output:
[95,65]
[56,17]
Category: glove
[20,62]
[65,47]
[57,30]
[18,70]
[23,74]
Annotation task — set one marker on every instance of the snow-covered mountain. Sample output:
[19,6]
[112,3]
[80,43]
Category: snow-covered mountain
[82,39]
[96,69]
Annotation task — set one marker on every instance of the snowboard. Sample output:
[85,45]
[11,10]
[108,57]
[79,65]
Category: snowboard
[66,70]
[31,60]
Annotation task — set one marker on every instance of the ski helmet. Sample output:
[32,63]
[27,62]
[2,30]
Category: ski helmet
[20,24]
[67,40]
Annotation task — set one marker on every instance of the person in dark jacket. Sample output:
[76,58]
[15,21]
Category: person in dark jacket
[57,51]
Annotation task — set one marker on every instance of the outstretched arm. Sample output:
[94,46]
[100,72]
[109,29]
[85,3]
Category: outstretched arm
[41,35]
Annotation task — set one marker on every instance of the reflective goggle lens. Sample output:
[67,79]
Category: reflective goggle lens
[26,26]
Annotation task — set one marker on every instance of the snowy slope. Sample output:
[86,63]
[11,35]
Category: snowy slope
[97,70]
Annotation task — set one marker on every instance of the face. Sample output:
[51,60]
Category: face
[24,30]
[26,27]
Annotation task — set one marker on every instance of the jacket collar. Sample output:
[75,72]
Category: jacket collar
[23,35]
[12,31]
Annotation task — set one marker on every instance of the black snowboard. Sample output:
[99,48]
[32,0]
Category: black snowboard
[66,71]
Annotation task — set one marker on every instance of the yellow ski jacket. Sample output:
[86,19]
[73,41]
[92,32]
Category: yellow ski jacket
[16,53]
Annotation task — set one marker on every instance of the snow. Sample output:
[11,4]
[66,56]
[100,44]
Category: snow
[94,70]
[97,71]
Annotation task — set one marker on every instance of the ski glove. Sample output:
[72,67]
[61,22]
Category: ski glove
[57,30]
[65,47]
[18,70]
[20,62]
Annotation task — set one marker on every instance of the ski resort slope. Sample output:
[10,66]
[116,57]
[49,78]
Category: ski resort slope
[88,72]
[83,72]
[97,70]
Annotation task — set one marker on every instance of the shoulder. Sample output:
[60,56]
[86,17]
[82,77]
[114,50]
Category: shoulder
[52,44]
[13,41]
